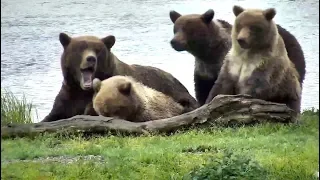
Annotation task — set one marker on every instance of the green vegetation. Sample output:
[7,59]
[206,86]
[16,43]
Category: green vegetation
[230,166]
[14,109]
[269,151]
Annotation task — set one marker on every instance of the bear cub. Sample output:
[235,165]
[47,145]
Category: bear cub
[258,64]
[208,40]
[126,98]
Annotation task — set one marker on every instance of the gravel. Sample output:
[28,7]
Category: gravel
[59,159]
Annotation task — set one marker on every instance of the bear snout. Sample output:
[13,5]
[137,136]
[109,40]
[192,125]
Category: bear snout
[243,43]
[91,59]
[176,45]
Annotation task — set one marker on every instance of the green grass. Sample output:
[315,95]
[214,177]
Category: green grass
[14,110]
[269,151]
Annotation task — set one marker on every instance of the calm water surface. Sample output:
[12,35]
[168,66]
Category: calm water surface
[30,48]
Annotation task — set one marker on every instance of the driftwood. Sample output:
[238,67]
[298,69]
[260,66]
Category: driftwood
[223,110]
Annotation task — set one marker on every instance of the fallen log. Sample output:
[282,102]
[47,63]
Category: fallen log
[223,110]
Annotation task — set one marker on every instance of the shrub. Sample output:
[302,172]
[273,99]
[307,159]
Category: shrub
[230,166]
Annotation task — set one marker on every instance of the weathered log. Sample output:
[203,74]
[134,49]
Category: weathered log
[223,110]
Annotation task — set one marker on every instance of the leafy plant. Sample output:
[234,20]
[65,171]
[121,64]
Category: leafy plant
[230,166]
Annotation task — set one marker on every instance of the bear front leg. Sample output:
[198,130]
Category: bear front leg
[294,99]
[59,108]
[188,104]
[223,85]
[68,103]
[295,104]
[90,110]
[257,85]
[203,86]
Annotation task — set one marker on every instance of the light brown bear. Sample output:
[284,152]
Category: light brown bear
[125,98]
[87,57]
[209,40]
[258,64]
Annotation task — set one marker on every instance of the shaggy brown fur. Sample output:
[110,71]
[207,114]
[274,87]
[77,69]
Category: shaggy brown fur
[125,98]
[87,57]
[258,64]
[209,41]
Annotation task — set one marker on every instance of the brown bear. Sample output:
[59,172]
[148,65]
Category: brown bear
[258,64]
[125,98]
[209,40]
[87,57]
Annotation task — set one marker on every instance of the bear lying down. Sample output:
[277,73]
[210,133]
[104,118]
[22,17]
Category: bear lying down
[125,98]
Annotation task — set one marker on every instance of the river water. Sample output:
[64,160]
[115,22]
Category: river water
[30,48]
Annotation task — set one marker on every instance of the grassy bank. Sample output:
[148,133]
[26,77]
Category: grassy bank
[270,151]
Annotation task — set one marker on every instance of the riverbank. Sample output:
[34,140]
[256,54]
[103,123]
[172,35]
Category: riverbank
[274,151]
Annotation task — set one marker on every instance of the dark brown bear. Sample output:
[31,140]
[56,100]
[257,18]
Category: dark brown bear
[209,41]
[87,57]
[258,63]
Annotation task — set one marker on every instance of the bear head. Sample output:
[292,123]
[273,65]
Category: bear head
[192,32]
[115,97]
[84,58]
[254,28]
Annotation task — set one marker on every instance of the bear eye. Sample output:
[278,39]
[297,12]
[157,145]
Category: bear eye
[97,50]
[255,28]
[82,45]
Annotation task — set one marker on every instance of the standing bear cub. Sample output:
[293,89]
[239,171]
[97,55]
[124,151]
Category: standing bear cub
[125,98]
[258,64]
[87,57]
[208,40]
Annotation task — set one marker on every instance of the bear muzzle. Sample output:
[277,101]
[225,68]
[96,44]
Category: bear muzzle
[91,59]
[177,45]
[243,43]
[87,70]
[86,80]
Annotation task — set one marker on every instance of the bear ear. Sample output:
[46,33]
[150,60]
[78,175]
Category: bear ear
[207,16]
[174,15]
[109,41]
[125,88]
[96,83]
[237,10]
[269,13]
[64,39]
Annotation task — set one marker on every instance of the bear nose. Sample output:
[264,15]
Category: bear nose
[173,42]
[91,59]
[176,45]
[242,42]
